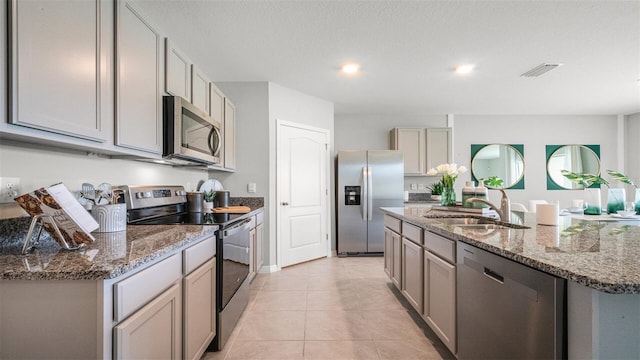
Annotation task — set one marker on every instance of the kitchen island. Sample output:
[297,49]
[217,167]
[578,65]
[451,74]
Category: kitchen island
[598,258]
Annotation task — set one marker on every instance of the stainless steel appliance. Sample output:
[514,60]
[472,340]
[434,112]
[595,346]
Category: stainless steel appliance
[161,205]
[367,180]
[507,310]
[190,135]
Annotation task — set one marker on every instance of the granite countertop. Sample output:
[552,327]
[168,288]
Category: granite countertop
[111,255]
[593,251]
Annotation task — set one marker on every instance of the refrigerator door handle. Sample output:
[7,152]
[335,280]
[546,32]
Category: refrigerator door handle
[369,195]
[365,191]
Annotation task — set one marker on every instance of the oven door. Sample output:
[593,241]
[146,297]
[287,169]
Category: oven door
[235,259]
[190,133]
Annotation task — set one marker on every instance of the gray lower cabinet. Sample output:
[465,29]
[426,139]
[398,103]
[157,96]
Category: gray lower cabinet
[440,298]
[199,314]
[412,282]
[393,249]
[165,310]
[256,236]
[138,81]
[440,287]
[154,331]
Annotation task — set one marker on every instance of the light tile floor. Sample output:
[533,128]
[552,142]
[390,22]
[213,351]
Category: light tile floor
[332,308]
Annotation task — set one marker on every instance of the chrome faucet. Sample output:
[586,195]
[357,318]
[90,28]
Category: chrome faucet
[504,212]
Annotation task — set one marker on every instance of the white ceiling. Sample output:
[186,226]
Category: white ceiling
[408,49]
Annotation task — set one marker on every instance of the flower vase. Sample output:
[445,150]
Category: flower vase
[615,200]
[592,201]
[637,201]
[448,197]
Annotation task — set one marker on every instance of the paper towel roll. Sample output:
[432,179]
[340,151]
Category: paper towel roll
[547,214]
[406,196]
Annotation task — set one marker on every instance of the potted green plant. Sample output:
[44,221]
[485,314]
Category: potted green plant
[592,201]
[208,197]
[436,190]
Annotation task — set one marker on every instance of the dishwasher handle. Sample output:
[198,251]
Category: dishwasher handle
[493,275]
[243,226]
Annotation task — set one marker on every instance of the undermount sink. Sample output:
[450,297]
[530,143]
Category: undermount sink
[476,222]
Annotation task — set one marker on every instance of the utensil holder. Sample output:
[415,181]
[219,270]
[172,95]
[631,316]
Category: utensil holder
[110,218]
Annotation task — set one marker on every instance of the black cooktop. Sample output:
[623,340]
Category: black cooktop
[187,218]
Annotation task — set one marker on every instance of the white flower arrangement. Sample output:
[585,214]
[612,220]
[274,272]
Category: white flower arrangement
[449,173]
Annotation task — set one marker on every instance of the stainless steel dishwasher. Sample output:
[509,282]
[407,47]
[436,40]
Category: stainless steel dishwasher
[507,310]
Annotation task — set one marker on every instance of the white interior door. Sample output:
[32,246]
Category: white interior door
[302,178]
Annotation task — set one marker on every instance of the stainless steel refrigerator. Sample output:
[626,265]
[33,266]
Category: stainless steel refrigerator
[367,180]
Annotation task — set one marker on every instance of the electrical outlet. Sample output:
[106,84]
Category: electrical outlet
[9,189]
[414,187]
[251,187]
[420,186]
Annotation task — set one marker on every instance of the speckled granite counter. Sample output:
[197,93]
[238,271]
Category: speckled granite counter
[111,255]
[602,255]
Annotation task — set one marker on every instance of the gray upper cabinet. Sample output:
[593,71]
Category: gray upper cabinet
[411,141]
[178,72]
[422,148]
[439,146]
[138,81]
[229,134]
[200,89]
[60,67]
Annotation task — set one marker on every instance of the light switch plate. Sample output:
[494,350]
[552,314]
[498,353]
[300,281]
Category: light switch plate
[414,186]
[251,187]
[9,189]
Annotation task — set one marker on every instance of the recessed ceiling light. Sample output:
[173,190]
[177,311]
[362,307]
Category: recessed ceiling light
[350,68]
[464,69]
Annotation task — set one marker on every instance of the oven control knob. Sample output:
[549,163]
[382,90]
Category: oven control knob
[181,193]
[143,195]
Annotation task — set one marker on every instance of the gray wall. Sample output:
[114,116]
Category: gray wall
[259,106]
[534,132]
[371,132]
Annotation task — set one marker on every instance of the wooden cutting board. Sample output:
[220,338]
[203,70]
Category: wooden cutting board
[232,210]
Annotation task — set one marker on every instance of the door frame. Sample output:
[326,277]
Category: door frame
[280,123]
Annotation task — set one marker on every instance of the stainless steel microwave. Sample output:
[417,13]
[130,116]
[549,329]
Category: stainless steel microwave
[190,134]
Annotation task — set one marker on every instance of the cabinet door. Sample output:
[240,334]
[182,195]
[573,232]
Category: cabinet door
[199,310]
[412,144]
[412,280]
[177,72]
[438,147]
[388,252]
[200,89]
[396,274]
[440,298]
[252,252]
[229,135]
[60,64]
[259,245]
[153,332]
[138,81]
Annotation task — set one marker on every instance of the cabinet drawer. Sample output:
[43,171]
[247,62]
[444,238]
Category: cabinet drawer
[137,290]
[412,233]
[440,246]
[259,218]
[197,254]
[393,223]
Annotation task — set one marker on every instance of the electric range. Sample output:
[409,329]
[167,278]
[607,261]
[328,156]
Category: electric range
[167,204]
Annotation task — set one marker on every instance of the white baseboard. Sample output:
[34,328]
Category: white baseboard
[268,269]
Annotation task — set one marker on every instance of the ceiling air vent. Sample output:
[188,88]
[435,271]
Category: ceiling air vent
[540,69]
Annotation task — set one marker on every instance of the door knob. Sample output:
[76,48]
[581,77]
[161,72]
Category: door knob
[285,203]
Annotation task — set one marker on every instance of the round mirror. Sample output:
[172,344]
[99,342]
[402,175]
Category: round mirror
[575,158]
[498,160]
